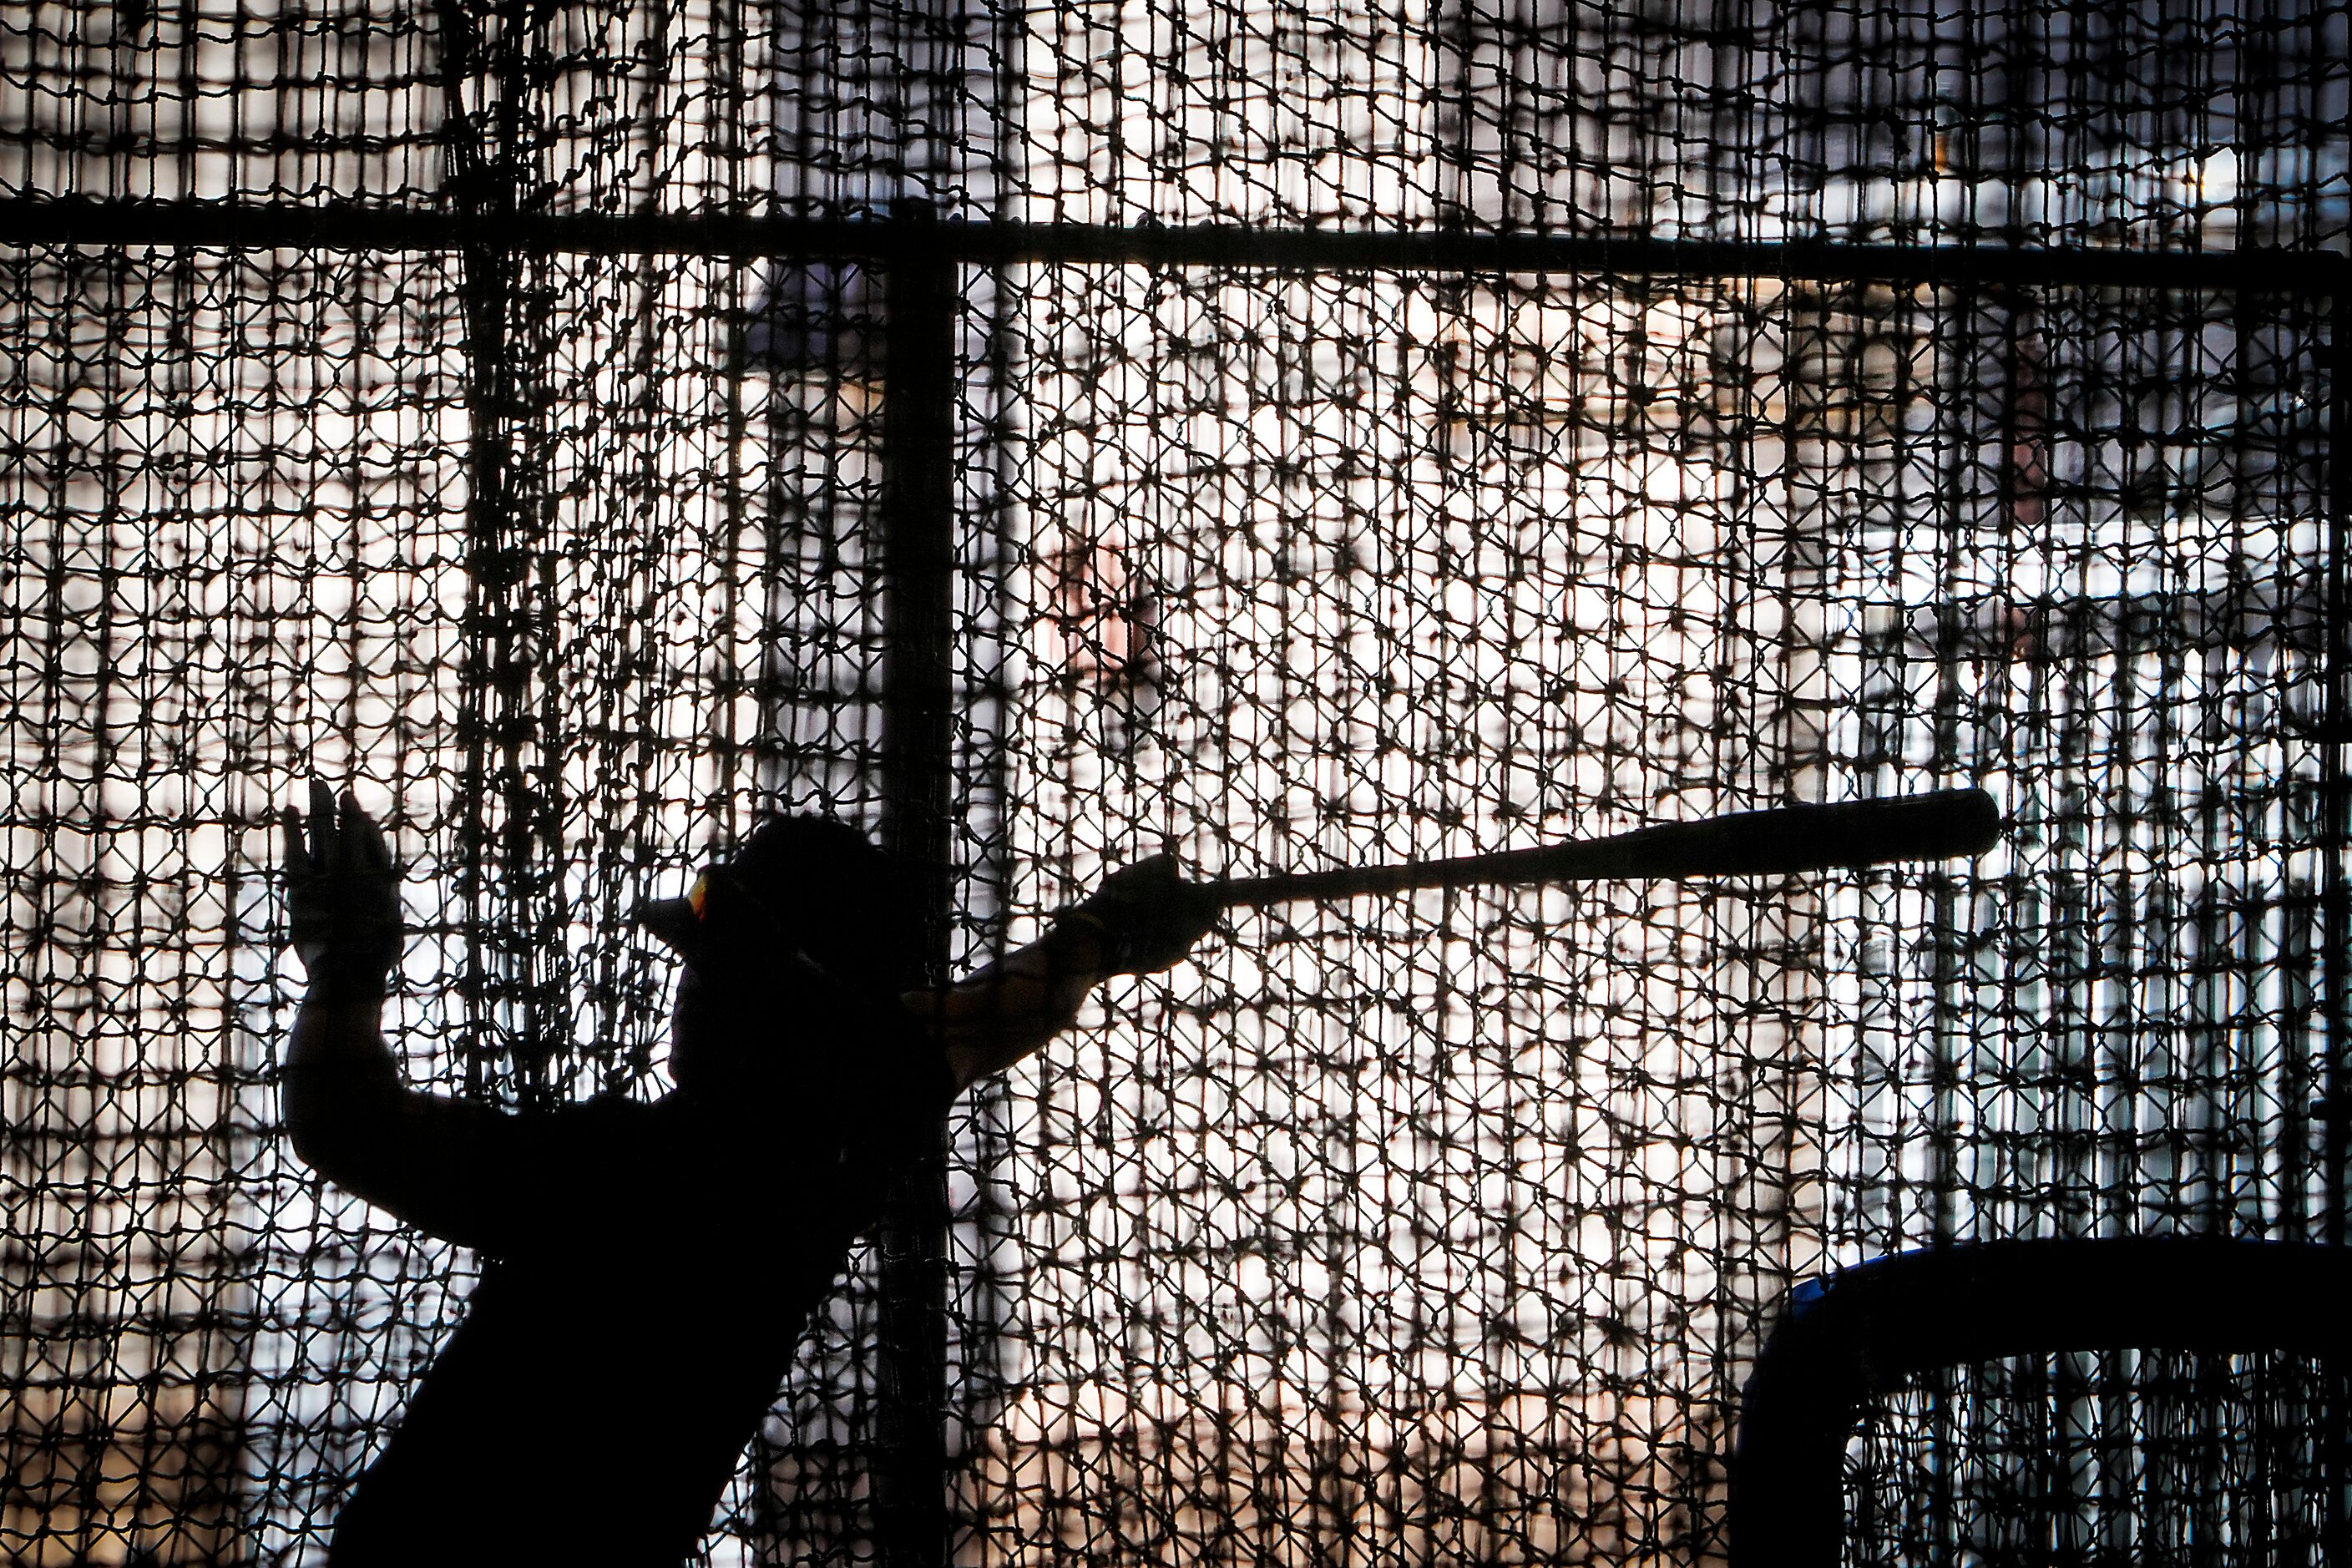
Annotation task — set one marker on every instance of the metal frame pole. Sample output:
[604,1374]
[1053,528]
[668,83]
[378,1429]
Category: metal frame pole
[2336,894]
[918,557]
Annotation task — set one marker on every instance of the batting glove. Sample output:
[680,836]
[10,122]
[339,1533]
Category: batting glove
[1145,916]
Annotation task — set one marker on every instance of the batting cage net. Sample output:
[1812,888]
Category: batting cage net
[1328,435]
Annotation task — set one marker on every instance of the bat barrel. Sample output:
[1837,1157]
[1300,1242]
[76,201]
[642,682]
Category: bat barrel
[1791,840]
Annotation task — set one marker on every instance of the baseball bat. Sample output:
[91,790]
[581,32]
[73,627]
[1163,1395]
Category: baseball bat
[1790,839]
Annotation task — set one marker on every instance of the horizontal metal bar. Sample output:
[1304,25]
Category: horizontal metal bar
[352,227]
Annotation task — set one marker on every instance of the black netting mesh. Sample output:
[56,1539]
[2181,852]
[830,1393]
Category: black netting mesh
[1426,1228]
[2202,1460]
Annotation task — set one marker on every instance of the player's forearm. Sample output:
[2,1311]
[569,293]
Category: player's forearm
[342,1083]
[1004,1012]
[440,1165]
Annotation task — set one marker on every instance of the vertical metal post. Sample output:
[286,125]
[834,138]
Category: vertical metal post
[2336,800]
[918,552]
[2335,896]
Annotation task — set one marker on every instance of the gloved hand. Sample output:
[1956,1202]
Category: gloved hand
[1146,915]
[342,896]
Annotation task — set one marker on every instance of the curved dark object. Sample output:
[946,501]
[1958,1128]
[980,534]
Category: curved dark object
[1870,1329]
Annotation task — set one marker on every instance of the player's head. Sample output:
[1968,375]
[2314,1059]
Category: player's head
[804,914]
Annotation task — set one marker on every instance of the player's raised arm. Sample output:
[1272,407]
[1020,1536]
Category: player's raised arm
[434,1162]
[1143,918]
[343,918]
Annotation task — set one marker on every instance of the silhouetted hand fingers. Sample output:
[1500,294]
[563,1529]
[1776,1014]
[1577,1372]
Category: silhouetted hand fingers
[296,863]
[364,851]
[375,852]
[342,900]
[322,828]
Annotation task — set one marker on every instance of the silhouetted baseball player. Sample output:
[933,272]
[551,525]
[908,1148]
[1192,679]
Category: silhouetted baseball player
[653,1263]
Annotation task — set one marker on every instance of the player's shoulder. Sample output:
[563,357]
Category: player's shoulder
[625,1162]
[617,1108]
[599,1124]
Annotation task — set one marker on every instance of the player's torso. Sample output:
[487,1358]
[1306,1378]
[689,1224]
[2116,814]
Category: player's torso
[593,1403]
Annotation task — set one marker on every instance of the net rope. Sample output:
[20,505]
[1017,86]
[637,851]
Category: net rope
[1429,1229]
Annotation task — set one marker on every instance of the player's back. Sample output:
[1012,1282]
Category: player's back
[592,1405]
